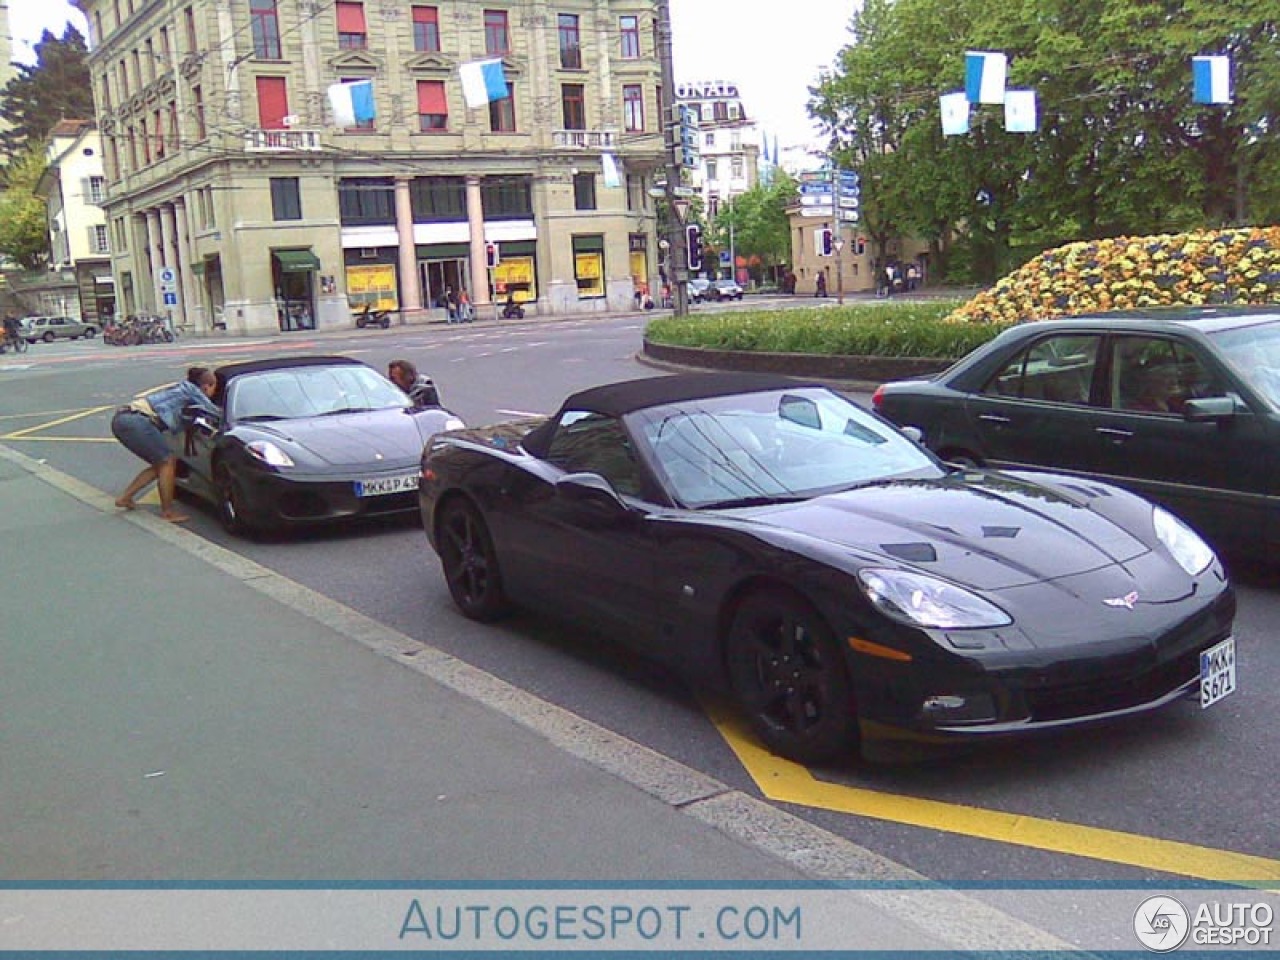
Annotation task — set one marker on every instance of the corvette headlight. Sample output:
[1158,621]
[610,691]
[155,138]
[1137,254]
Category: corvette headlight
[1192,553]
[269,453]
[925,601]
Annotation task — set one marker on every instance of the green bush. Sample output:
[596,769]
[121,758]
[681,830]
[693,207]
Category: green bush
[886,329]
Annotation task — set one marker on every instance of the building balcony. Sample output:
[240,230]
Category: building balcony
[585,139]
[282,141]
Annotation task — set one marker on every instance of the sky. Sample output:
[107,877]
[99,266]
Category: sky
[772,49]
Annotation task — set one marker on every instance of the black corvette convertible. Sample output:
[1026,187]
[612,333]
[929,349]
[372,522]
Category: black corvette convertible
[305,440]
[848,587]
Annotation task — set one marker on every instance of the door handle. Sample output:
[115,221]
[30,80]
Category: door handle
[994,418]
[1113,433]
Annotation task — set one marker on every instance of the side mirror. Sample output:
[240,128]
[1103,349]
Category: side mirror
[592,493]
[1204,409]
[914,434]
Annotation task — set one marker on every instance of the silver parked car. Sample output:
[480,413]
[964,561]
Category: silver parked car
[50,329]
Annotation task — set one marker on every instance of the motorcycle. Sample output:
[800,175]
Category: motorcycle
[368,317]
[512,311]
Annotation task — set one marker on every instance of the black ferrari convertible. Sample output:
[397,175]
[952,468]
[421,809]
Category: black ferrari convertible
[848,587]
[305,440]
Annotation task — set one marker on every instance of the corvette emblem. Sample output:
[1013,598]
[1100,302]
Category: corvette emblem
[1127,601]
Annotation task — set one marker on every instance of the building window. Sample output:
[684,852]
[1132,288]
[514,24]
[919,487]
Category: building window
[145,133]
[737,168]
[709,139]
[265,25]
[496,38]
[584,191]
[636,195]
[273,102]
[588,265]
[189,22]
[158,130]
[441,199]
[507,198]
[502,113]
[713,206]
[98,242]
[633,107]
[150,50]
[352,33]
[174,131]
[369,200]
[197,95]
[122,234]
[97,28]
[116,8]
[426,29]
[97,190]
[286,199]
[570,43]
[629,28]
[166,48]
[574,103]
[433,106]
[719,110]
[711,170]
[106,92]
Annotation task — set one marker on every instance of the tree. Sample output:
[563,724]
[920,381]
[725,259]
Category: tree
[759,223]
[55,88]
[22,214]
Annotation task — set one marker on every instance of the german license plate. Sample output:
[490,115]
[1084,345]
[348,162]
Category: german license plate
[381,486]
[1217,672]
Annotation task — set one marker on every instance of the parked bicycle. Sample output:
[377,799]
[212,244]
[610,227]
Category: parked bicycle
[135,330]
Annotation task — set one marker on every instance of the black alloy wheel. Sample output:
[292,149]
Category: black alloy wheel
[788,676]
[471,562]
[231,511]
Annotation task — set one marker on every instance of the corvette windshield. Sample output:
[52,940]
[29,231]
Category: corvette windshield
[296,392]
[773,446]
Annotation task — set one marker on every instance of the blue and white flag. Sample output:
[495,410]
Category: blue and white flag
[352,103]
[1211,79]
[984,76]
[1020,111]
[955,113]
[483,81]
[612,178]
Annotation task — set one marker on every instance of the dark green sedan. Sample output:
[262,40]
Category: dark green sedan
[1181,405]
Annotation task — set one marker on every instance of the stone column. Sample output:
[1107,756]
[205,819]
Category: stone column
[410,285]
[169,240]
[156,258]
[191,300]
[479,264]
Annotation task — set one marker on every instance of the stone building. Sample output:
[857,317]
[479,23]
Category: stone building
[233,199]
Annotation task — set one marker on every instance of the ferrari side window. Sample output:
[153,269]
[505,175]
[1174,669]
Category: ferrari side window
[595,443]
[1057,369]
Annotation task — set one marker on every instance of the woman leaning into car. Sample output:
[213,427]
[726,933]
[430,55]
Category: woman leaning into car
[142,427]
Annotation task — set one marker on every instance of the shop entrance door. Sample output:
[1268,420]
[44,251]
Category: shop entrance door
[439,276]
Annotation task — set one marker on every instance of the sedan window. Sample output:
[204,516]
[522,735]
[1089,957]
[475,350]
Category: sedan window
[1058,369]
[1157,375]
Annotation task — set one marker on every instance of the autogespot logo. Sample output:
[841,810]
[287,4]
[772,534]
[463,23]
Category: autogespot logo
[1161,924]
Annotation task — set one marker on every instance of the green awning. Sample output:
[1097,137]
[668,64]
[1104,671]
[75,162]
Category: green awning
[296,261]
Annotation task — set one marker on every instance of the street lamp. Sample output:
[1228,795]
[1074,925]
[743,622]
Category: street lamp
[839,245]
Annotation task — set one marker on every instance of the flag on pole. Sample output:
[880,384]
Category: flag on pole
[1020,111]
[1211,79]
[483,81]
[984,76]
[612,178]
[955,113]
[352,103]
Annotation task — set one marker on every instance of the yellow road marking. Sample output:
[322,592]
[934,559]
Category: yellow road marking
[789,782]
[19,434]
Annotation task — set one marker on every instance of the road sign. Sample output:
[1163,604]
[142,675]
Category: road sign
[823,211]
[170,299]
[815,188]
[168,277]
[848,202]
[815,200]
[682,190]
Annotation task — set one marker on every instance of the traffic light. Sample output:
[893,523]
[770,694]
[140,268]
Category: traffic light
[825,242]
[861,247]
[693,245]
[491,255]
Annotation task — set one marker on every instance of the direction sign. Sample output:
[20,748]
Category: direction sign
[682,190]
[170,299]
[848,203]
[815,189]
[815,200]
[816,211]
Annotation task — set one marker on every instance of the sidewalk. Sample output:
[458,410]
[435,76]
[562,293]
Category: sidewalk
[173,712]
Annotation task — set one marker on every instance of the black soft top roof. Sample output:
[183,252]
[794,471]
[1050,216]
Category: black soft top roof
[617,399]
[232,370]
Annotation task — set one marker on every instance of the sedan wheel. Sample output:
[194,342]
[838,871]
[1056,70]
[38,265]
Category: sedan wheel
[787,674]
[48,337]
[471,563]
[231,512]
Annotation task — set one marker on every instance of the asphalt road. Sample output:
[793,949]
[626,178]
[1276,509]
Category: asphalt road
[1175,794]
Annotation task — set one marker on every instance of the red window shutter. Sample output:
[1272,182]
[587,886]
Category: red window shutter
[425,15]
[431,98]
[351,18]
[273,103]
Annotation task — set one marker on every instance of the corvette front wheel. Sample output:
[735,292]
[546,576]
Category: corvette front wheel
[788,676]
[471,563]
